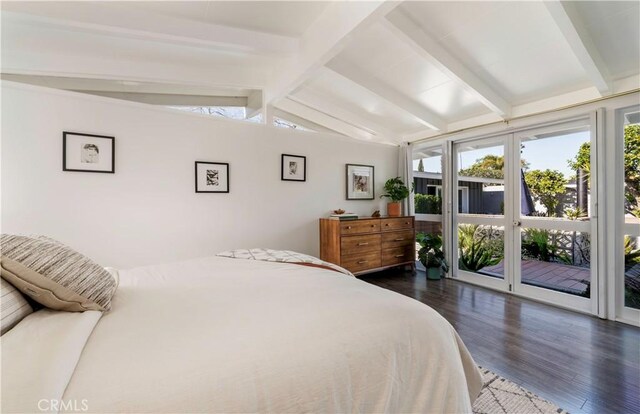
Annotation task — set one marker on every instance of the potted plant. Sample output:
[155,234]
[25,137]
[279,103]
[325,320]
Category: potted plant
[396,190]
[431,255]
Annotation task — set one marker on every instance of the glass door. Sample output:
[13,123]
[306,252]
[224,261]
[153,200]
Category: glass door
[627,173]
[523,215]
[428,194]
[553,206]
[478,202]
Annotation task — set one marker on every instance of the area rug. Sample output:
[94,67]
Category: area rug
[501,396]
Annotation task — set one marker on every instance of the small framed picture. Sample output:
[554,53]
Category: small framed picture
[360,182]
[294,167]
[212,177]
[88,153]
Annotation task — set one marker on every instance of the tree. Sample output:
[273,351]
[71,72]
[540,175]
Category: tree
[489,166]
[547,187]
[631,165]
[420,166]
[582,160]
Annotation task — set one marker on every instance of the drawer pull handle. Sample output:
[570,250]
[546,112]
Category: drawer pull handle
[399,255]
[363,244]
[406,222]
[373,225]
[348,227]
[362,262]
[398,239]
[387,224]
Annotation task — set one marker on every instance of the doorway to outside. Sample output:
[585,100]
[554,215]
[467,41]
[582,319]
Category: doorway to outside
[525,217]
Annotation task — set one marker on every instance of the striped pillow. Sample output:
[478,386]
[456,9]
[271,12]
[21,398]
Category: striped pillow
[55,275]
[13,306]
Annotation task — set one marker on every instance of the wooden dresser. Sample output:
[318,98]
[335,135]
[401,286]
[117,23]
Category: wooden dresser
[368,244]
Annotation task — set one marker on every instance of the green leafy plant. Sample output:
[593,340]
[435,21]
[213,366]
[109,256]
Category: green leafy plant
[631,254]
[428,204]
[536,245]
[475,256]
[430,253]
[396,190]
[574,213]
[475,251]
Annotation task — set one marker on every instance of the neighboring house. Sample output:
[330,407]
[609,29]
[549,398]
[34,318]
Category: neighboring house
[478,195]
[475,195]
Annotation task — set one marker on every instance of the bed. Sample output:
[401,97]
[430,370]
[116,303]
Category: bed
[227,335]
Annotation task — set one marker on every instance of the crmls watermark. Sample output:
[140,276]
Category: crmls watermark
[62,405]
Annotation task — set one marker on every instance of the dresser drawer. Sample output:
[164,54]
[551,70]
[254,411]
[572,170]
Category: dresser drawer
[360,226]
[360,244]
[360,262]
[398,239]
[397,255]
[390,224]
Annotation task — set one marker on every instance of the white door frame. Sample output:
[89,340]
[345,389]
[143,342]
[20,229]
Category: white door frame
[616,196]
[511,221]
[490,220]
[587,305]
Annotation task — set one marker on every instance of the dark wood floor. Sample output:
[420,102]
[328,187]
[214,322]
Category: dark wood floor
[581,363]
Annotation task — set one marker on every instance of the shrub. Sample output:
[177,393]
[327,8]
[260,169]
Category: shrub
[428,204]
[475,251]
[536,244]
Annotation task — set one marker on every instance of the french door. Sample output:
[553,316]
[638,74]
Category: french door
[531,222]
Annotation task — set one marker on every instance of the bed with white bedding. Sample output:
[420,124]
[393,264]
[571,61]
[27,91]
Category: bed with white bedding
[227,335]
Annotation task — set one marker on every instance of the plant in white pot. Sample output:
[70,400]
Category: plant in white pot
[431,255]
[396,191]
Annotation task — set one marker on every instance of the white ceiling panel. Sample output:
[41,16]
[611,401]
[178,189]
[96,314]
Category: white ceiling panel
[452,102]
[288,18]
[413,76]
[614,27]
[525,79]
[515,47]
[447,17]
[359,99]
[21,37]
[375,50]
[275,17]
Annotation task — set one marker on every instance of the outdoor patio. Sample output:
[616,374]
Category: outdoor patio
[549,275]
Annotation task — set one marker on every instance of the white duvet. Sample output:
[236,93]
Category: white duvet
[228,335]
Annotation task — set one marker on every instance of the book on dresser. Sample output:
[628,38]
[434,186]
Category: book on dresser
[368,244]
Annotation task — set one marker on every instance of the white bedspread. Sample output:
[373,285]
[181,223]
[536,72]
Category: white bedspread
[225,335]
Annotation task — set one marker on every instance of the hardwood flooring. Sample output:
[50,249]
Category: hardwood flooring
[579,362]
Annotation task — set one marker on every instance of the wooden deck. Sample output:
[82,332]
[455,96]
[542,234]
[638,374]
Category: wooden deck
[555,276]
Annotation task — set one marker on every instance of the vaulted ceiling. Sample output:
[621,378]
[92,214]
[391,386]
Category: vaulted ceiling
[378,71]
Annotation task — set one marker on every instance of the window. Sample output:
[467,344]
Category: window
[233,112]
[283,123]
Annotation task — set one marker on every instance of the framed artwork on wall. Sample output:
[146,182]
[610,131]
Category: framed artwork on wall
[293,168]
[212,177]
[360,182]
[88,153]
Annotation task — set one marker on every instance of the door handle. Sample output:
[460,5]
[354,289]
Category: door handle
[517,223]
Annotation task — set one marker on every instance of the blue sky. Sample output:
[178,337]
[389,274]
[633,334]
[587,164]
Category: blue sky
[549,153]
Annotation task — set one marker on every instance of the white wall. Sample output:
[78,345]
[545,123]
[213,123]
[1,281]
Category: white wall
[148,211]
